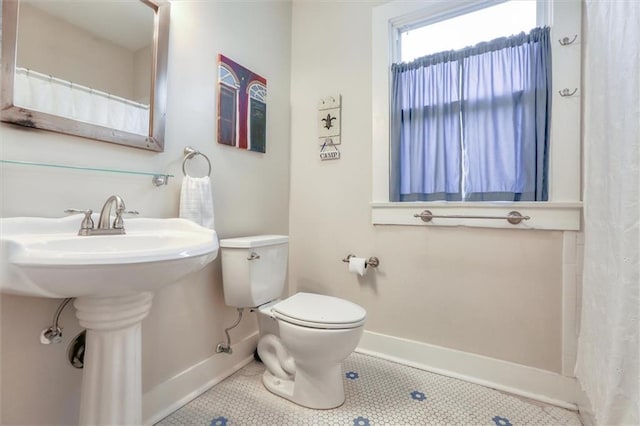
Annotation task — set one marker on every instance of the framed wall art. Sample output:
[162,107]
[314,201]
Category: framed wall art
[242,106]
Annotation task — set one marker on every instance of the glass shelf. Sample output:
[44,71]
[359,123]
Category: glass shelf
[158,179]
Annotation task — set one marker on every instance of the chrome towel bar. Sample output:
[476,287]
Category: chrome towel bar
[514,217]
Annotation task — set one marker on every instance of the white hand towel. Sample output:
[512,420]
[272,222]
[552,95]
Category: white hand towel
[196,200]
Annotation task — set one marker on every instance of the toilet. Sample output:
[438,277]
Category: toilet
[303,338]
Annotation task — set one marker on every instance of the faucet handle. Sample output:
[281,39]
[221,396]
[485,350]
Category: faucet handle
[118,223]
[73,211]
[87,222]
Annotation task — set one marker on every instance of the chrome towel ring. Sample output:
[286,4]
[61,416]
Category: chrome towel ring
[189,153]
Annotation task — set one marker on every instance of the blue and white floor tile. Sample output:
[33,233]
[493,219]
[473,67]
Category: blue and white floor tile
[378,392]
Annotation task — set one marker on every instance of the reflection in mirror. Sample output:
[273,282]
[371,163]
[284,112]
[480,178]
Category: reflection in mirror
[94,68]
[90,61]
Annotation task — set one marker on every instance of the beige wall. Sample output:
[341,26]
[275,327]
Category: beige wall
[491,292]
[250,194]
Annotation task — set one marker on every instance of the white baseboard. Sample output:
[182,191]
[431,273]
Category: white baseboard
[528,382]
[168,396]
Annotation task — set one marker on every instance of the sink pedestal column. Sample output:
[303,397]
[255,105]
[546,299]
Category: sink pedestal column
[112,377]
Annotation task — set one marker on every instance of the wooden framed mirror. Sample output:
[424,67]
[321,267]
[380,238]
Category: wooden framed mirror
[95,69]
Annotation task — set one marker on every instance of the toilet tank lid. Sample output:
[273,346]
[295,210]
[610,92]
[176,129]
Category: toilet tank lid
[254,241]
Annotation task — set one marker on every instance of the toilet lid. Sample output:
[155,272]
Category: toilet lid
[319,311]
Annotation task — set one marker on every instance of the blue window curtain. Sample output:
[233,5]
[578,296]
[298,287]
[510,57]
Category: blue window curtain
[473,124]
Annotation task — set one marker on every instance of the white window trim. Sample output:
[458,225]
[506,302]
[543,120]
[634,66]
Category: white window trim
[563,211]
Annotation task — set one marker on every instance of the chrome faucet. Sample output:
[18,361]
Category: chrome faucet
[104,227]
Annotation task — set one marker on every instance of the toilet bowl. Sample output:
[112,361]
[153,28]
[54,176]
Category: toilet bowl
[303,338]
[304,355]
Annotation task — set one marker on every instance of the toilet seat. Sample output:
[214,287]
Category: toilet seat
[319,311]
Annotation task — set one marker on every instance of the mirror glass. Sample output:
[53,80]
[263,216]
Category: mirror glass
[93,68]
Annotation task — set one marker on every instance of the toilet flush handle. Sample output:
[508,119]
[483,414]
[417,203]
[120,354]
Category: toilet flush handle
[253,256]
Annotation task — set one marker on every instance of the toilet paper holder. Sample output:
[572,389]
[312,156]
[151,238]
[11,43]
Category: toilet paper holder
[372,261]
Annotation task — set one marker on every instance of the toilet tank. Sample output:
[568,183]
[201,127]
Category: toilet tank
[253,269]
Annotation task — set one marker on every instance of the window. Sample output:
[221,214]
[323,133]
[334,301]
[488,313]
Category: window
[473,124]
[499,20]
[395,26]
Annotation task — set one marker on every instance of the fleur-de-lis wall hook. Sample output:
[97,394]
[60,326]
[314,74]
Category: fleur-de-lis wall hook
[328,121]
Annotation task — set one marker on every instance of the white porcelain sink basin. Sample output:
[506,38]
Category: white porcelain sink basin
[112,278]
[46,258]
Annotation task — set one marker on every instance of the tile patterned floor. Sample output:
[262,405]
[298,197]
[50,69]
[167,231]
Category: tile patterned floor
[378,392]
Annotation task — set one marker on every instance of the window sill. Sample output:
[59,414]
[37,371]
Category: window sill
[543,215]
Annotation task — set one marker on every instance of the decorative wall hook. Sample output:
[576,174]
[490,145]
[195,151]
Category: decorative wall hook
[565,41]
[566,93]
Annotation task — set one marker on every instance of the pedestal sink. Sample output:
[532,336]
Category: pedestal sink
[112,278]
